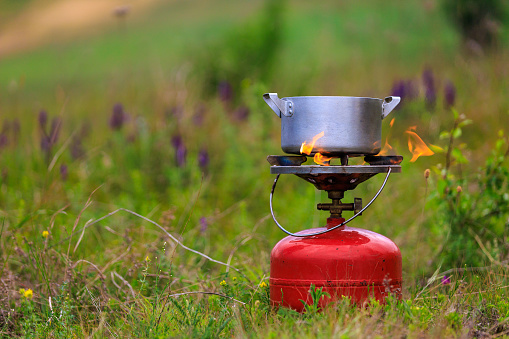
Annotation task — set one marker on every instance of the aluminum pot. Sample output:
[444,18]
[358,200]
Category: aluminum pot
[351,125]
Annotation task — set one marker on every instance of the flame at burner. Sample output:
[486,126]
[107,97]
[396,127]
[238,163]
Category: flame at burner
[416,145]
[308,148]
[322,159]
[387,149]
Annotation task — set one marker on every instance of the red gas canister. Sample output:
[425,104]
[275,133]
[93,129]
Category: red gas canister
[348,261]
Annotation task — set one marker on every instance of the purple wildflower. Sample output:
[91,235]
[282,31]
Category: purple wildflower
[431,98]
[3,140]
[203,159]
[177,111]
[43,119]
[399,89]
[176,141]
[449,94]
[76,148]
[428,78]
[241,113]
[446,280]
[203,225]
[181,155]
[411,90]
[118,116]
[16,128]
[64,172]
[54,133]
[225,91]
[199,115]
[429,84]
[45,143]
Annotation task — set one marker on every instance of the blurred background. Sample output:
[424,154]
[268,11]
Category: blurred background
[158,105]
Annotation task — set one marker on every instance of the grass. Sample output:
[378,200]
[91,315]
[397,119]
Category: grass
[124,274]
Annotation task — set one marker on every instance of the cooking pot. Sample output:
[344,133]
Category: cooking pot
[351,125]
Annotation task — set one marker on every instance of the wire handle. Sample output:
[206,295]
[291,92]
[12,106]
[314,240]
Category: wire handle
[332,228]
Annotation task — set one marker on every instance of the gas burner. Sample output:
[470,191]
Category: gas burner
[334,177]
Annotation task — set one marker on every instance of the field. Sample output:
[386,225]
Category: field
[134,190]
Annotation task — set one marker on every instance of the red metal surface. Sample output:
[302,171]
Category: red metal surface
[348,262]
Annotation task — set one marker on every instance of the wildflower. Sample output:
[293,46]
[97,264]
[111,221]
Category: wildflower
[199,115]
[76,148]
[449,94]
[429,84]
[45,143]
[399,90]
[176,141]
[29,294]
[241,113]
[459,189]
[263,284]
[203,225]
[55,130]
[431,97]
[446,280]
[177,111]
[45,234]
[225,91]
[181,155]
[117,118]
[16,127]
[426,173]
[234,278]
[203,159]
[43,119]
[223,283]
[3,140]
[147,259]
[64,172]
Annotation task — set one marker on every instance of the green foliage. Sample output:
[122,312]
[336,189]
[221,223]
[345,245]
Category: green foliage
[477,20]
[318,296]
[248,51]
[472,210]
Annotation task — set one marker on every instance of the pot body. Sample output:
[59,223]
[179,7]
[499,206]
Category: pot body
[347,262]
[351,125]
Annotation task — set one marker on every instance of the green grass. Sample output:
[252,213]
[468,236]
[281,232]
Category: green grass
[326,49]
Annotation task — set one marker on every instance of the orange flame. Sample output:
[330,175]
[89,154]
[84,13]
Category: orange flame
[392,122]
[416,145]
[308,148]
[322,159]
[387,149]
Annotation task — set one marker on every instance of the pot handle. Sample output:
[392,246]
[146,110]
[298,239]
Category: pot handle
[279,105]
[388,105]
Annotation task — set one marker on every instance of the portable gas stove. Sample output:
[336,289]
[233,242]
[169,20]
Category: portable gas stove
[342,260]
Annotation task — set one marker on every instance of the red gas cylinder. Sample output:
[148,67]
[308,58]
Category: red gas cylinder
[348,261]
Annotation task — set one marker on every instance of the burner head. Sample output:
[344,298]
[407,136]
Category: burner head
[286,160]
[383,160]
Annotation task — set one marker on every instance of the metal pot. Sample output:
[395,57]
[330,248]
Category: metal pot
[351,125]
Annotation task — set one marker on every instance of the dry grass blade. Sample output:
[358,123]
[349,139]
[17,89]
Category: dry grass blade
[158,226]
[124,281]
[88,203]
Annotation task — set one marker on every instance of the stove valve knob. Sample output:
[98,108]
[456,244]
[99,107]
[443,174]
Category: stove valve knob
[357,205]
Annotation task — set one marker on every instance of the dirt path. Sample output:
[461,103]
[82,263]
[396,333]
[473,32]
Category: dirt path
[49,21]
